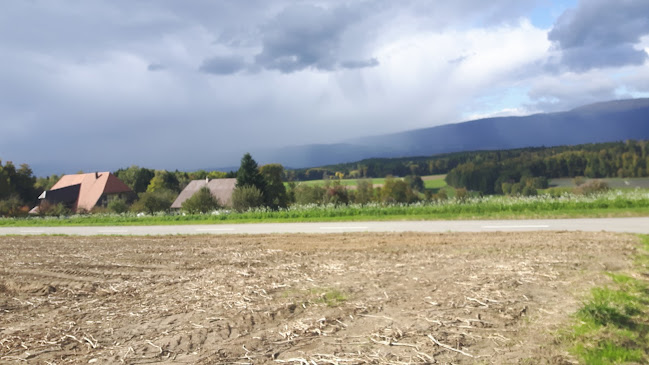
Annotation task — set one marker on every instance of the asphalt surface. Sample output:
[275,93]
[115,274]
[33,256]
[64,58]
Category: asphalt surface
[630,225]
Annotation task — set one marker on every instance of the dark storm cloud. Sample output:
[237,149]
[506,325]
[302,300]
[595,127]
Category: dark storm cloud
[223,65]
[308,36]
[601,33]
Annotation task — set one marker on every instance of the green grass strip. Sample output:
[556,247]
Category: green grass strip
[612,326]
[611,204]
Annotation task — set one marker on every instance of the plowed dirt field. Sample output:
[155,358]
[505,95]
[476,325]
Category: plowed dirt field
[319,299]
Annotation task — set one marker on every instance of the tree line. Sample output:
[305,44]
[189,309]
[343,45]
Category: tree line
[625,154]
[497,172]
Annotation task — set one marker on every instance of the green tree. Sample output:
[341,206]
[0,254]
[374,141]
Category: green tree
[163,180]
[275,195]
[46,183]
[249,175]
[336,194]
[217,175]
[19,182]
[397,191]
[154,201]
[137,178]
[415,182]
[12,207]
[117,206]
[246,197]
[309,194]
[5,183]
[364,191]
[23,182]
[201,202]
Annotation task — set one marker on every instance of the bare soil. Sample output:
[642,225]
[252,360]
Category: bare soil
[320,299]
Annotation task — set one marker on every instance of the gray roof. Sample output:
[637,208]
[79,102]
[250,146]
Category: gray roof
[221,189]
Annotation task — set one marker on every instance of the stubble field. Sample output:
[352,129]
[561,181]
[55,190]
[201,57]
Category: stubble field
[320,299]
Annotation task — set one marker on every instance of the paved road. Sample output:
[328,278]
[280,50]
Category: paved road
[633,225]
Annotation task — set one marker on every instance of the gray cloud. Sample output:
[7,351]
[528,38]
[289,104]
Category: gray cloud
[601,33]
[307,36]
[223,65]
[372,62]
[78,91]
[155,67]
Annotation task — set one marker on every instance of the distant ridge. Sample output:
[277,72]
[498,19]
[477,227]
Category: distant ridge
[608,121]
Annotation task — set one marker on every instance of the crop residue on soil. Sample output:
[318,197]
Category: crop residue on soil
[323,299]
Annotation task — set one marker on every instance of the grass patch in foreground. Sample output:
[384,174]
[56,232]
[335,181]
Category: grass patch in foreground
[329,297]
[612,326]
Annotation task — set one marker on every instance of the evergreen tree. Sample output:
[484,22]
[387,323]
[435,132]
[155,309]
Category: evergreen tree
[249,175]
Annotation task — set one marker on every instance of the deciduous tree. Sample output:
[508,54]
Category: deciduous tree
[275,195]
[201,202]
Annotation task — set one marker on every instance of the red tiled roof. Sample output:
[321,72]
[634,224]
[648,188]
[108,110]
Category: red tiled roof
[93,185]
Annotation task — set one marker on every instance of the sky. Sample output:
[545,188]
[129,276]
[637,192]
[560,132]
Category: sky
[98,85]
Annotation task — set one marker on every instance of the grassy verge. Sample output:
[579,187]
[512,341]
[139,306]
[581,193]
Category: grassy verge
[612,327]
[611,204]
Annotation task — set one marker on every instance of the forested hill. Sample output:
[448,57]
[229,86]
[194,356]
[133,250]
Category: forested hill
[602,122]
[479,170]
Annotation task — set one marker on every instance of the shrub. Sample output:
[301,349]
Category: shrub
[591,187]
[118,206]
[415,182]
[246,197]
[309,194]
[201,202]
[461,194]
[506,188]
[336,194]
[440,196]
[516,189]
[154,201]
[12,207]
[364,191]
[578,180]
[48,209]
[529,191]
[397,191]
[540,182]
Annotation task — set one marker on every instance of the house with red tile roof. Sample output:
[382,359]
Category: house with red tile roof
[83,192]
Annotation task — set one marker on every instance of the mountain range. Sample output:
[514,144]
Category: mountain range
[600,122]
